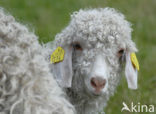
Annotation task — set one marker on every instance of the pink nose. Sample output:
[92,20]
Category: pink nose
[98,83]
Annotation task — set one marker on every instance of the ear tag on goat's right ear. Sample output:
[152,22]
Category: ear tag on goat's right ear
[134,61]
[57,55]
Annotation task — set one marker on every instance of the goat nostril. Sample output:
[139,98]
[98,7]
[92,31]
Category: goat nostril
[93,83]
[103,83]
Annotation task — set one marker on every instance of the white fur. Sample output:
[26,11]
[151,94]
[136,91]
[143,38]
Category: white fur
[101,34]
[26,84]
[99,69]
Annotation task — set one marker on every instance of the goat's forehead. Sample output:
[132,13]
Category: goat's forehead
[102,25]
[101,41]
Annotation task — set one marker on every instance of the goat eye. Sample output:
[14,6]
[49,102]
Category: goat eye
[120,52]
[77,46]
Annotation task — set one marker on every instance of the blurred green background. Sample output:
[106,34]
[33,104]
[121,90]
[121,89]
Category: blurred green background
[48,17]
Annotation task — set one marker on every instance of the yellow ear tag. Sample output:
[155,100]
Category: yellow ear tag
[57,55]
[134,61]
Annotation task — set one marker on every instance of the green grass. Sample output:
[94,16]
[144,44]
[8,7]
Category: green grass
[48,17]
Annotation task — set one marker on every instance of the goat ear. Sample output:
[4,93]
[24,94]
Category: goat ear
[131,72]
[63,70]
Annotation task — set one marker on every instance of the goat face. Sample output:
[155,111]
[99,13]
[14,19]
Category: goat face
[94,67]
[91,68]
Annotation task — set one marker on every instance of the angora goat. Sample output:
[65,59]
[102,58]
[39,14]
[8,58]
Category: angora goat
[26,84]
[97,43]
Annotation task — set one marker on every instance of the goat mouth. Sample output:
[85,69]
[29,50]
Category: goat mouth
[93,94]
[96,95]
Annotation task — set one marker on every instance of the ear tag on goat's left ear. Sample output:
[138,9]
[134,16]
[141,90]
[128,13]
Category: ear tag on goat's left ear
[134,61]
[57,55]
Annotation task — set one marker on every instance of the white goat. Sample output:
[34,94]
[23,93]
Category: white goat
[97,43]
[26,84]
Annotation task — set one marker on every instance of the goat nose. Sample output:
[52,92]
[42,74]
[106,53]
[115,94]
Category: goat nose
[98,83]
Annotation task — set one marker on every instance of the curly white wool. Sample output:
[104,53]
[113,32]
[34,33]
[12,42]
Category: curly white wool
[26,85]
